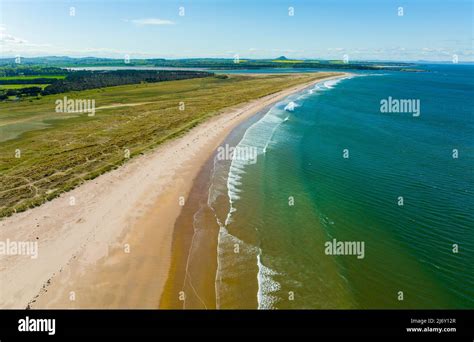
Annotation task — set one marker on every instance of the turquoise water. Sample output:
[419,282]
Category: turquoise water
[277,214]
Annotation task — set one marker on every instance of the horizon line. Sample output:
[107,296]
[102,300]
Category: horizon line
[241,58]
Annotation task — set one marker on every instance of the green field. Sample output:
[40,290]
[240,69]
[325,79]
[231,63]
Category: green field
[60,151]
[9,78]
[30,79]
[19,86]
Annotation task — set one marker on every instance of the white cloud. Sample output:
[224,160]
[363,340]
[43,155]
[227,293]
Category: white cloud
[11,44]
[151,21]
[7,39]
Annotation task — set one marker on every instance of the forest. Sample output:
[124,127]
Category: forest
[18,83]
[83,80]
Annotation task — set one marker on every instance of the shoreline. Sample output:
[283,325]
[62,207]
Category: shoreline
[201,242]
[113,248]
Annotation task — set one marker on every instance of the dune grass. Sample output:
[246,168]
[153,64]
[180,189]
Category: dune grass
[44,153]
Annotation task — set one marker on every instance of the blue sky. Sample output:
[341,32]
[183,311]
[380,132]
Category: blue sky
[362,29]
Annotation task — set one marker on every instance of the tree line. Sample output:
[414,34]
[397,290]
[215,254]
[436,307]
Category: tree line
[83,80]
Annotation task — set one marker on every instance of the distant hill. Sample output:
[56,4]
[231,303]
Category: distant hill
[210,63]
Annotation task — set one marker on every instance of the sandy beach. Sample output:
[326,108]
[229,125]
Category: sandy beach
[108,243]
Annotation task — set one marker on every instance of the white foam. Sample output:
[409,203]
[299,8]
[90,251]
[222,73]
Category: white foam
[259,136]
[266,285]
[290,106]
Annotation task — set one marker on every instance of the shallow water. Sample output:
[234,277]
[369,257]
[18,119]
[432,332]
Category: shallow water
[277,214]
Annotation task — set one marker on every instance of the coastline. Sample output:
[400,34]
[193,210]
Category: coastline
[106,251]
[192,280]
[194,249]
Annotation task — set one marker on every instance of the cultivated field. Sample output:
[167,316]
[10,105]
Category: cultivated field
[9,82]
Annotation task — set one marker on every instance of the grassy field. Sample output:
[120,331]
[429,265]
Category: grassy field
[30,79]
[19,86]
[9,78]
[44,153]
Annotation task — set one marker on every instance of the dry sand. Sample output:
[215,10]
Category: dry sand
[112,248]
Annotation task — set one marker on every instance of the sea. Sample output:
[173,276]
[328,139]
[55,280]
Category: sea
[347,203]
